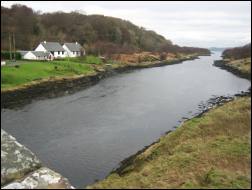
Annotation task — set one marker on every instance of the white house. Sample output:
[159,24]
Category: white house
[38,55]
[23,53]
[56,50]
[73,49]
[3,63]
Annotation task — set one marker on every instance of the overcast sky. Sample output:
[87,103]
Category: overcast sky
[203,24]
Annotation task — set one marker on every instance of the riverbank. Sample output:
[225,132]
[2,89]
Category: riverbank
[209,151]
[59,86]
[240,67]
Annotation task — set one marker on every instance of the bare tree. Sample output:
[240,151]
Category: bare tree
[14,46]
[10,46]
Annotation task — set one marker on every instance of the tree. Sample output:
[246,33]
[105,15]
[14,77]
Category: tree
[101,34]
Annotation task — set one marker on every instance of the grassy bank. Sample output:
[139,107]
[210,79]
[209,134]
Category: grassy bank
[239,67]
[244,65]
[27,71]
[238,59]
[212,151]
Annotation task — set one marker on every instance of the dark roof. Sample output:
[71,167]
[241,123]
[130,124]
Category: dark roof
[52,46]
[22,52]
[40,53]
[73,46]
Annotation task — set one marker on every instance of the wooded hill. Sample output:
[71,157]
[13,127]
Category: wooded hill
[97,33]
[238,52]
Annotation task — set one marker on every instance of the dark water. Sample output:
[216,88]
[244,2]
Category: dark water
[85,135]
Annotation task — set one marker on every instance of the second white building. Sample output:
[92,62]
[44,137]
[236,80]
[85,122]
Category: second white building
[73,49]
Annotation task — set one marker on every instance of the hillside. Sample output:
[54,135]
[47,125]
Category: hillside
[237,52]
[237,60]
[99,34]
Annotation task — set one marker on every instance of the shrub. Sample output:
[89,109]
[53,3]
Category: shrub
[6,55]
[162,56]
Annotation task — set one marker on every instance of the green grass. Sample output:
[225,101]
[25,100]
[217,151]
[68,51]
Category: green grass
[30,70]
[93,60]
[36,70]
[212,151]
[89,59]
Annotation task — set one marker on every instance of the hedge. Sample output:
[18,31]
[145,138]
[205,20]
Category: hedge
[6,55]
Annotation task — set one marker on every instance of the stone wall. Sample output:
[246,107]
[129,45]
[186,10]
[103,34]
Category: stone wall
[21,169]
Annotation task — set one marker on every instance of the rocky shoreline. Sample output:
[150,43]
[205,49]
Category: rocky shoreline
[59,87]
[223,65]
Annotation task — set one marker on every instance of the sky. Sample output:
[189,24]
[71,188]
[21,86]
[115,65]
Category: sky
[188,23]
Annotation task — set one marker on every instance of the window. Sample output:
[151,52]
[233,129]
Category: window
[62,52]
[58,52]
[73,52]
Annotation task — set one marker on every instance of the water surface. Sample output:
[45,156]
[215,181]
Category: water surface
[85,135]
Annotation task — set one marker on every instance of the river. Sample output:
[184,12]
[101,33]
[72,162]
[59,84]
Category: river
[85,135]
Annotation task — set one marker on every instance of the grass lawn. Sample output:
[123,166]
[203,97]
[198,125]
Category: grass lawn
[213,151]
[90,59]
[29,71]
